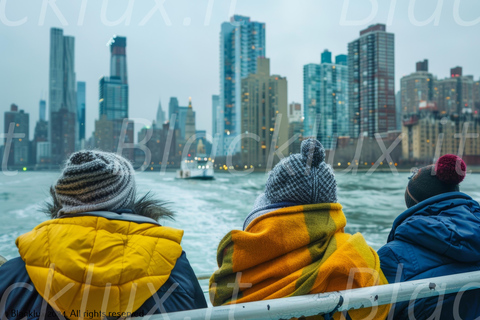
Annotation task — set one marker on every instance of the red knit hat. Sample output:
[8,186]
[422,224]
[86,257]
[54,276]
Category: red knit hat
[445,176]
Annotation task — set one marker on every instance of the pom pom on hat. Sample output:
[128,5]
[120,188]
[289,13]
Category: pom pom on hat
[450,169]
[313,152]
[443,177]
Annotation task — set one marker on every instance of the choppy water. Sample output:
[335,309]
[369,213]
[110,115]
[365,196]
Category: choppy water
[207,210]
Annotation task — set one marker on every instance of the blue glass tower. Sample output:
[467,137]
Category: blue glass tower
[326,99]
[81,92]
[241,42]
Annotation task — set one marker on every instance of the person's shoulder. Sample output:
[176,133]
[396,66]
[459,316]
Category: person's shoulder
[183,274]
[15,269]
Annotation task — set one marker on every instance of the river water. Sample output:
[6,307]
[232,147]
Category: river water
[207,210]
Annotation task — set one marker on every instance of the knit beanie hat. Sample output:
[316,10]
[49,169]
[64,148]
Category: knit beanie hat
[442,177]
[93,181]
[302,178]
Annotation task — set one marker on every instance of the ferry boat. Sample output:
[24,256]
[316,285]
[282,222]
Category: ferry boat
[199,167]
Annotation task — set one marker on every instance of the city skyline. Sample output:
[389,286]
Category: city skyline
[289,48]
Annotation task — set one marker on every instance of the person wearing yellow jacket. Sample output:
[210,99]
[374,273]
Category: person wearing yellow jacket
[102,255]
[293,242]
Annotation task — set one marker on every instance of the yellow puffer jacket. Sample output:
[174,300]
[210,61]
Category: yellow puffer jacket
[92,264]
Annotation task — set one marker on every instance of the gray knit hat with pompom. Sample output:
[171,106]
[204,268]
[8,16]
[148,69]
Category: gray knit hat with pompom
[299,179]
[94,180]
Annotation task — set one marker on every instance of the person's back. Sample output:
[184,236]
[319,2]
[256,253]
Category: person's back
[102,255]
[438,235]
[294,242]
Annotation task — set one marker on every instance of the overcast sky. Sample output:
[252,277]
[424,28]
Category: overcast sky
[176,53]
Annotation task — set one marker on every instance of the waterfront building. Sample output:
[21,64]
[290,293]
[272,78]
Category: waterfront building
[113,98]
[398,110]
[326,99]
[189,121]
[476,97]
[108,136]
[19,154]
[182,121]
[295,112]
[429,135]
[40,140]
[216,115]
[295,128]
[173,107]
[160,114]
[81,114]
[62,96]
[264,98]
[158,145]
[417,87]
[455,95]
[242,42]
[114,103]
[371,61]
[42,112]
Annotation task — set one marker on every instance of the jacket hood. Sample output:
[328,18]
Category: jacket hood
[86,265]
[448,224]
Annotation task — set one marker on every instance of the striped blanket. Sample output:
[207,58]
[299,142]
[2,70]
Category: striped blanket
[295,251]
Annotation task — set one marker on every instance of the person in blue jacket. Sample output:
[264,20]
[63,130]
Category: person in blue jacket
[438,235]
[103,255]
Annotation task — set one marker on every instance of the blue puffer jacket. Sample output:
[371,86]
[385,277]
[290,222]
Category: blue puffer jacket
[439,236]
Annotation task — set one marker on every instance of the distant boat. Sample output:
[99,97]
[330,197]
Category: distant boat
[196,168]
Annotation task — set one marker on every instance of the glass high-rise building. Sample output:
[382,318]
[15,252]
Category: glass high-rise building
[216,114]
[113,90]
[42,110]
[113,98]
[81,98]
[62,96]
[326,99]
[371,60]
[160,114]
[19,149]
[241,42]
[173,108]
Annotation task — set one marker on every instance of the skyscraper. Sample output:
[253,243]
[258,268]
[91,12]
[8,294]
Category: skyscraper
[216,114]
[455,95]
[326,99]
[113,98]
[118,58]
[160,115]
[113,124]
[295,113]
[241,43]
[264,97]
[476,96]
[19,154]
[113,90]
[371,61]
[182,120]
[62,96]
[416,88]
[42,110]
[172,107]
[40,146]
[81,98]
[190,121]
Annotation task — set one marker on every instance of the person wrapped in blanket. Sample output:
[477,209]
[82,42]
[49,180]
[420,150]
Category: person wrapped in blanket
[293,242]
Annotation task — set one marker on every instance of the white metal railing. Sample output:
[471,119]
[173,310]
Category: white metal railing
[324,303]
